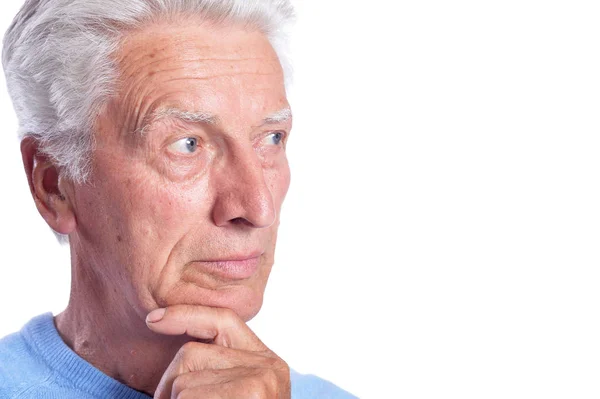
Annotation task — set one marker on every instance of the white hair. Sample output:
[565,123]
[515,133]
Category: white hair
[60,72]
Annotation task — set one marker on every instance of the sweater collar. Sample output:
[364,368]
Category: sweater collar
[42,336]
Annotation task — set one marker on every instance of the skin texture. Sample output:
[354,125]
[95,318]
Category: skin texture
[152,212]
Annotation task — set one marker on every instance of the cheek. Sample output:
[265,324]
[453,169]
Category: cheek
[279,182]
[141,216]
[167,210]
[154,227]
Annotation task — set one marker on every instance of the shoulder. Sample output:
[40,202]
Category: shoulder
[21,370]
[306,386]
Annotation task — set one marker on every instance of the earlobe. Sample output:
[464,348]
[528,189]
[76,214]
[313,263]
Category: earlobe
[44,177]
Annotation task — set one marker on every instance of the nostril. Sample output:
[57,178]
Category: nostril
[240,221]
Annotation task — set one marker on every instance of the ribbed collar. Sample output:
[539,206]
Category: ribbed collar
[43,338]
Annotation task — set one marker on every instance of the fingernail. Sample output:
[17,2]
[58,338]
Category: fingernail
[155,315]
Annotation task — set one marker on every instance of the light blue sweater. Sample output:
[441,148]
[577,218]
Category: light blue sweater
[36,363]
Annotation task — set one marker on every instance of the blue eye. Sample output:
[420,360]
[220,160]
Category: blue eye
[276,137]
[186,145]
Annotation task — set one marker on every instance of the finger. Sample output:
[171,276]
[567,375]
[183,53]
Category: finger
[229,390]
[230,383]
[221,325]
[195,357]
[197,379]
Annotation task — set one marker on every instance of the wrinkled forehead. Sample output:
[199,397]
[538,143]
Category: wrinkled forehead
[214,68]
[202,49]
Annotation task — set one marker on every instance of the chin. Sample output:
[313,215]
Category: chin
[243,300]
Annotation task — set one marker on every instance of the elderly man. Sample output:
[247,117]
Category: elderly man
[153,138]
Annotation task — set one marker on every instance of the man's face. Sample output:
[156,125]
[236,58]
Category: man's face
[189,167]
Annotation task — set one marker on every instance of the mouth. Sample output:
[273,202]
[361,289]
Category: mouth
[236,268]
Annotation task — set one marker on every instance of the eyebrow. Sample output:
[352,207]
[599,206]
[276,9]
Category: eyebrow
[187,116]
[283,115]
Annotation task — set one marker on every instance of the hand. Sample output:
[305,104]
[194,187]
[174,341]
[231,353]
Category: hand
[231,362]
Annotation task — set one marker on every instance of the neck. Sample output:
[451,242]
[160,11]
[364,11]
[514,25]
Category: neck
[101,328]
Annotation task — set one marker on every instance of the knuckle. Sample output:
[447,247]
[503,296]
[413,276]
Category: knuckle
[282,365]
[187,351]
[187,348]
[271,377]
[257,388]
[185,394]
[276,380]
[178,387]
[263,384]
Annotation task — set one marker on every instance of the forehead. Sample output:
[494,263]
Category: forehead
[220,69]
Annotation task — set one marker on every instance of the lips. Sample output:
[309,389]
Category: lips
[239,257]
[238,267]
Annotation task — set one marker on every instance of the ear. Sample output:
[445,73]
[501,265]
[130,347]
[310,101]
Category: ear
[45,184]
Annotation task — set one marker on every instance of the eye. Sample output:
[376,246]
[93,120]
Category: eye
[186,145]
[275,138]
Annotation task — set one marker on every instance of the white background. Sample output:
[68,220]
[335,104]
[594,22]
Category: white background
[441,234]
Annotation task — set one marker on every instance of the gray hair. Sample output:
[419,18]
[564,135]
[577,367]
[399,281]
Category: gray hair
[59,69]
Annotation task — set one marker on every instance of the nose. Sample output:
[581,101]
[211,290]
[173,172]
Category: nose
[243,195]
